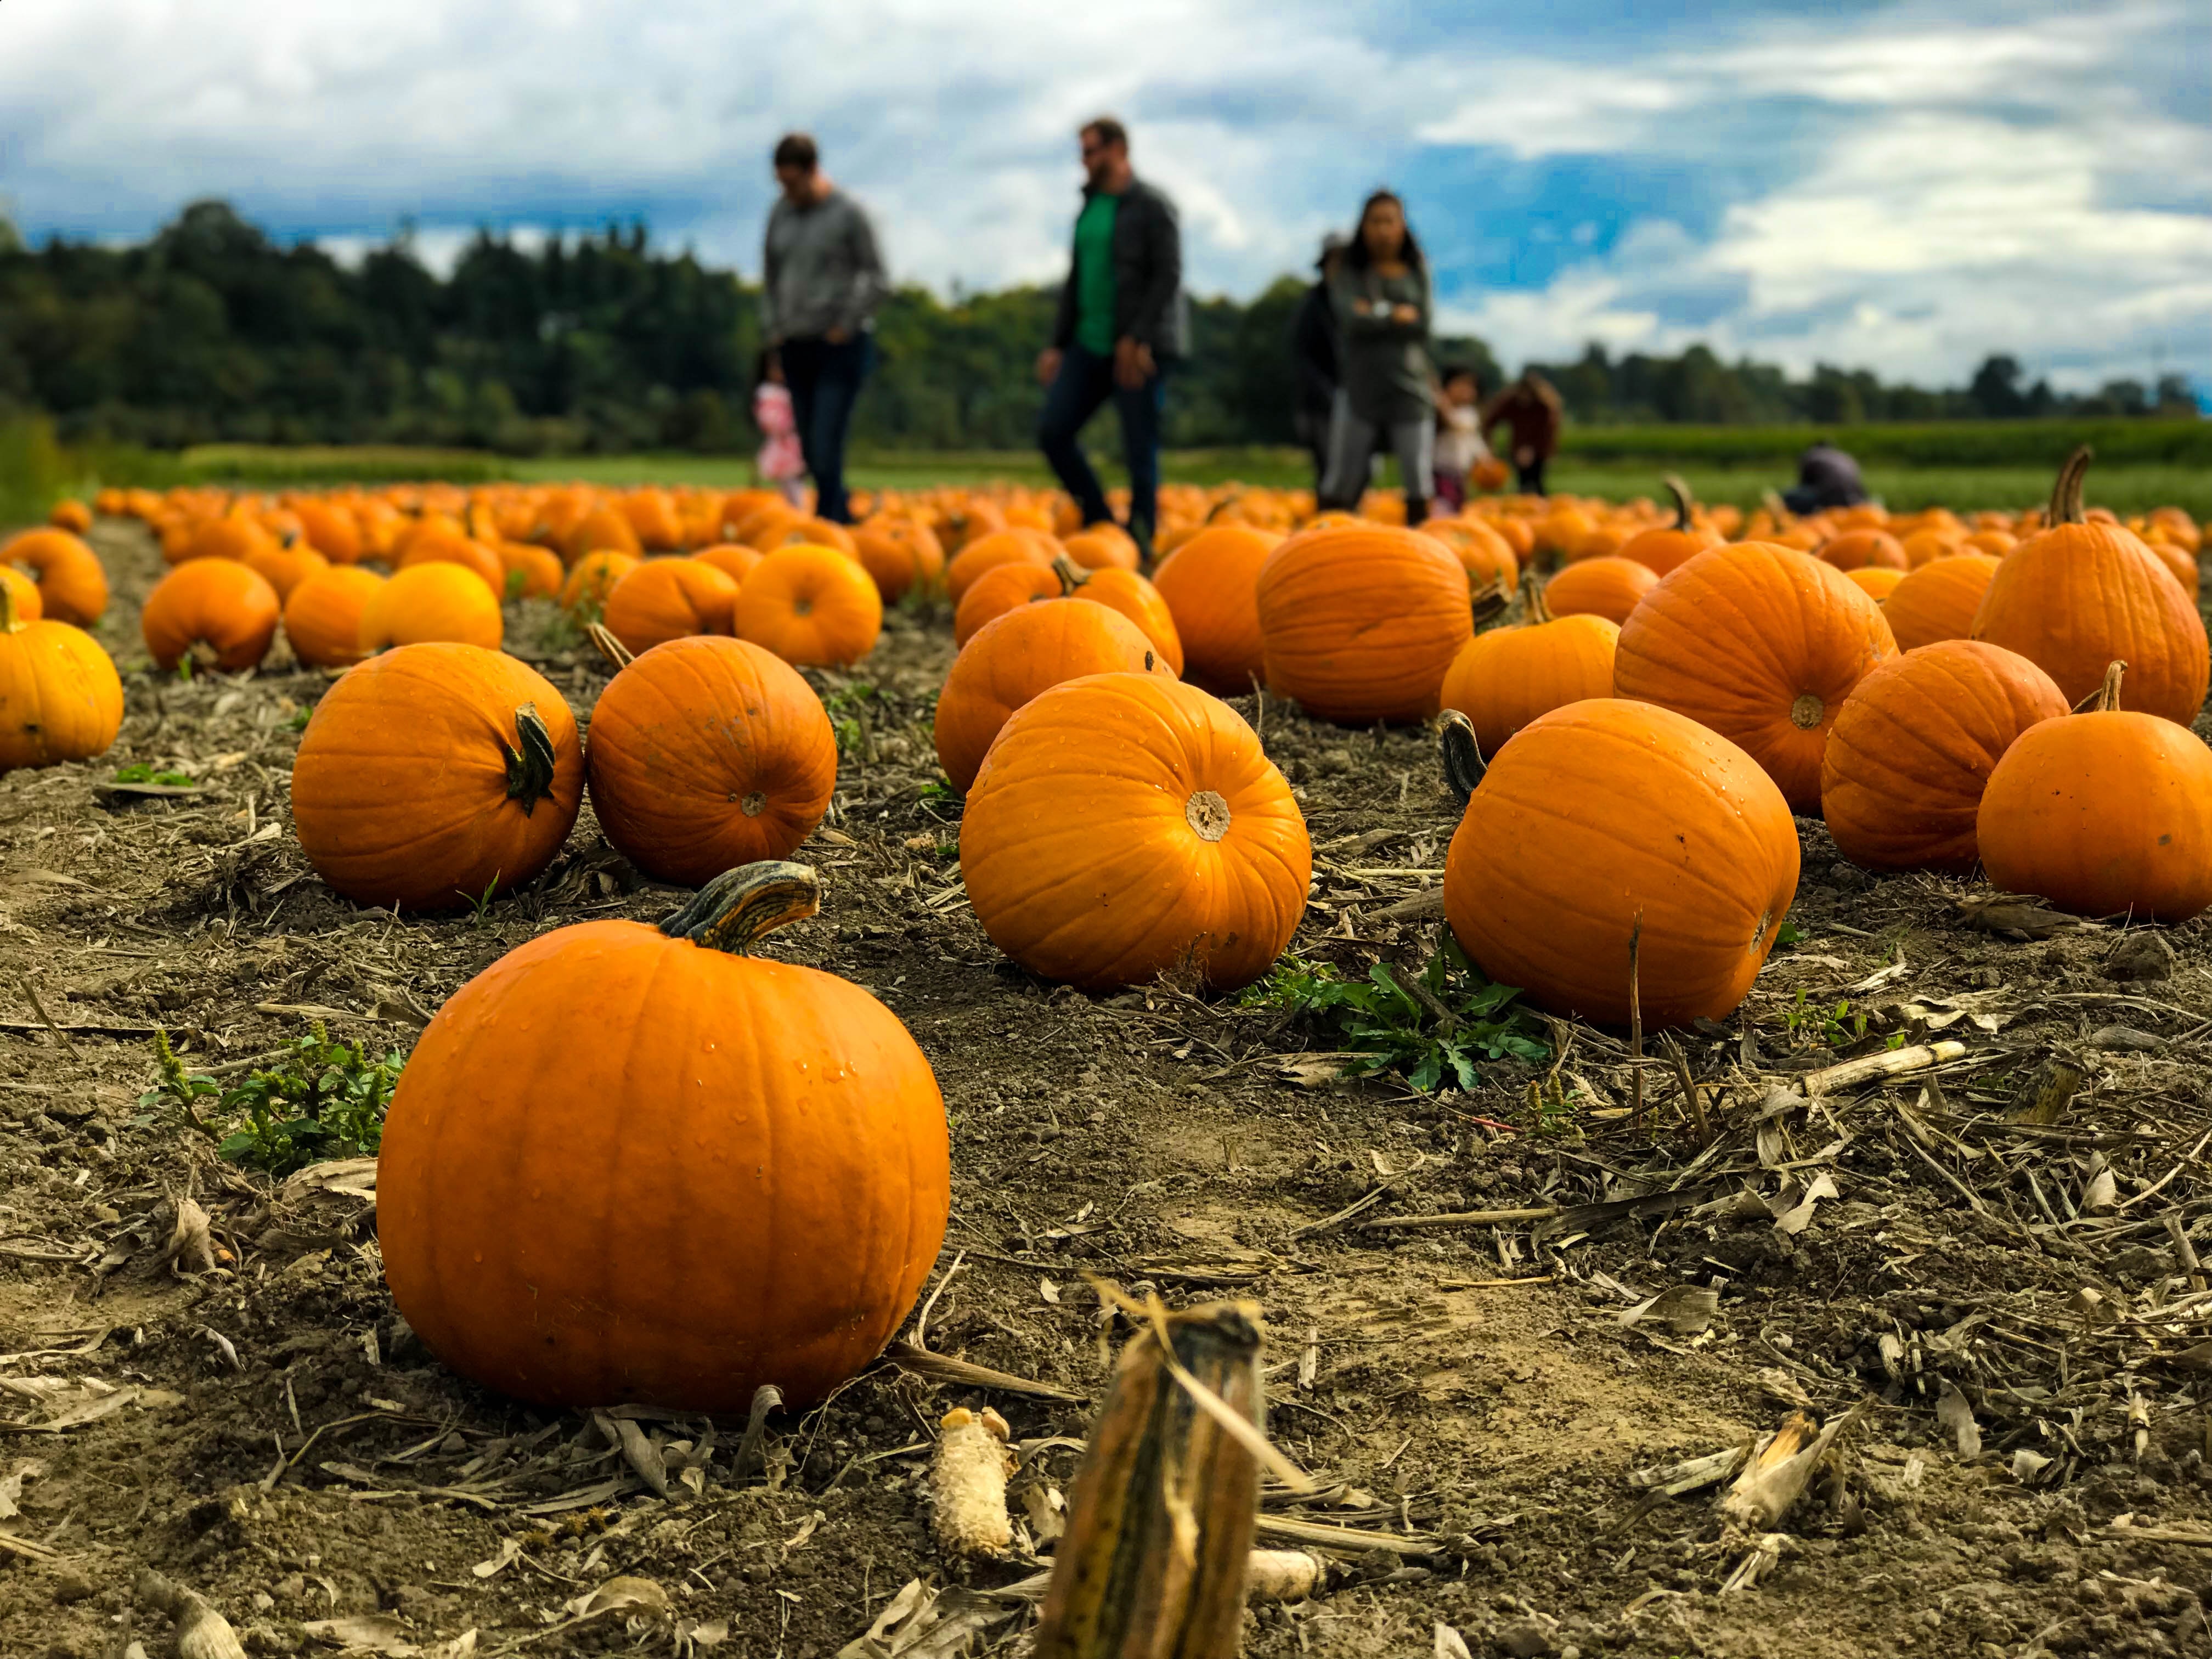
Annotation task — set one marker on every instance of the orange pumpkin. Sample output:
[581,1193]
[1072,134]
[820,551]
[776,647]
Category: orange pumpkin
[1487,557]
[601,530]
[1938,601]
[330,530]
[813,532]
[2080,595]
[1876,581]
[2105,813]
[230,536]
[811,605]
[733,559]
[1762,644]
[72,515]
[1105,546]
[1358,625]
[1913,747]
[671,599]
[216,611]
[592,578]
[60,698]
[442,547]
[434,773]
[1663,548]
[22,595]
[1505,678]
[435,600]
[1608,828]
[652,515]
[322,616]
[1124,826]
[901,553]
[558,1220]
[72,585]
[1210,585]
[528,571]
[1003,588]
[1014,658]
[285,567]
[1607,587]
[1854,548]
[989,551]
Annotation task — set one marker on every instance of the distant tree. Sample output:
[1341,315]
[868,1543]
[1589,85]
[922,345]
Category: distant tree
[1995,390]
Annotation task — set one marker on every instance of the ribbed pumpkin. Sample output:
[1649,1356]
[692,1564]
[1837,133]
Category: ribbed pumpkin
[1761,643]
[1102,547]
[999,591]
[1938,601]
[1608,824]
[733,559]
[231,536]
[2105,813]
[285,566]
[452,547]
[1608,587]
[216,611]
[72,585]
[999,547]
[707,753]
[593,577]
[431,772]
[1358,625]
[1876,581]
[811,605]
[1003,588]
[1913,747]
[434,600]
[901,553]
[671,599]
[1017,656]
[1211,584]
[322,617]
[1124,826]
[565,1221]
[1505,678]
[60,698]
[330,530]
[1855,548]
[1486,556]
[2080,595]
[1665,547]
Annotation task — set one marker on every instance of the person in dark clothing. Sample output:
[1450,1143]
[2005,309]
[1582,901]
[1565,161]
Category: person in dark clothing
[1531,407]
[1122,321]
[1317,354]
[1384,303]
[1827,478]
[822,279]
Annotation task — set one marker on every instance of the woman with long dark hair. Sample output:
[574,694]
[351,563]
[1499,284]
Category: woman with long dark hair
[1383,304]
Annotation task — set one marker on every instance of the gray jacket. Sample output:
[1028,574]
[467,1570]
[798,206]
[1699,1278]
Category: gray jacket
[821,269]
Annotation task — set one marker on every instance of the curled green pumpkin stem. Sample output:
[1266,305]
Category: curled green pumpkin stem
[743,905]
[1680,492]
[2106,699]
[2066,493]
[1463,756]
[1071,576]
[530,767]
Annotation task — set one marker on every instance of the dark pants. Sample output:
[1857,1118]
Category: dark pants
[1085,381]
[1312,427]
[1531,475]
[824,380]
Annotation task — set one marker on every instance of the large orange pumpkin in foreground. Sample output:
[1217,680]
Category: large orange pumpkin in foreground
[1360,623]
[1505,678]
[433,773]
[1211,584]
[747,1182]
[708,753]
[1606,824]
[1762,644]
[1126,825]
[1913,747]
[60,698]
[1017,656]
[72,585]
[215,611]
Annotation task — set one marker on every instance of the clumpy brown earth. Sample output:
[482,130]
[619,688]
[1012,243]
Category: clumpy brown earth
[2013,1305]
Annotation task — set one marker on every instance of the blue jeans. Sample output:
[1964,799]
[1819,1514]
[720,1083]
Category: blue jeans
[1085,381]
[824,381]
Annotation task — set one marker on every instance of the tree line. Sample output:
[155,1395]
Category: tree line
[211,331]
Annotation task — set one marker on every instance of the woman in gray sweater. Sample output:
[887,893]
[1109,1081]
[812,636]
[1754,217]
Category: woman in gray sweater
[1384,302]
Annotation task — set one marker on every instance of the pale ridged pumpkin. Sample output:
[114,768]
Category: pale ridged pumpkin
[745,1180]
[1666,547]
[60,698]
[1505,678]
[1938,601]
[72,585]
[217,612]
[1124,826]
[430,601]
[811,605]
[1610,587]
[1762,644]
[431,772]
[708,753]
[1359,625]
[322,616]
[1913,747]
[1019,655]
[1211,584]
[663,600]
[1608,825]
[2105,813]
[2081,595]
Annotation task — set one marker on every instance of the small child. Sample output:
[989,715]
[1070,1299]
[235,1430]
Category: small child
[1459,438]
[780,461]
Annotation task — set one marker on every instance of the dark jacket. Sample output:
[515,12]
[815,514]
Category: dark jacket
[1316,352]
[1827,478]
[1149,305]
[1532,409]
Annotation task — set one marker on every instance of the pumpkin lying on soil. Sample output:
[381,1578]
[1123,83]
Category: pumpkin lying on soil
[72,585]
[216,611]
[1666,548]
[1210,585]
[811,605]
[432,601]
[1505,678]
[60,697]
[1019,655]
[1359,625]
[322,617]
[665,599]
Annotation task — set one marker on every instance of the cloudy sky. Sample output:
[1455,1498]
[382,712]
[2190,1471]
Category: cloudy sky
[1903,186]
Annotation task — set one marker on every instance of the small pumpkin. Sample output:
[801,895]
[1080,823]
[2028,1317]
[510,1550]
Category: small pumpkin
[814,606]
[220,613]
[1125,825]
[1105,546]
[558,1220]
[330,530]
[603,529]
[1854,548]
[72,585]
[1609,587]
[1211,585]
[669,599]
[733,559]
[1664,548]
[1505,678]
[23,592]
[1876,581]
[999,547]
[707,753]
[434,773]
[528,571]
[901,552]
[593,578]
[434,600]
[232,536]
[322,617]
[2107,812]
[453,547]
[1938,601]
[72,515]
[1913,747]
[284,566]
[1016,657]
[1003,588]
[1486,556]
[1358,625]
[60,697]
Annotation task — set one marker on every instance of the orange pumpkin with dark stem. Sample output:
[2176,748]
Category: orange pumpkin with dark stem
[777,1116]
[1665,547]
[592,577]
[1855,548]
[1210,585]
[216,611]
[1358,625]
[1124,826]
[72,585]
[811,605]
[1914,745]
[432,773]
[322,616]
[706,754]
[1017,656]
[433,601]
[1505,678]
[2081,595]
[1938,601]
[1762,644]
[901,553]
[60,697]
[2105,813]
[1607,587]
[1614,843]
[671,599]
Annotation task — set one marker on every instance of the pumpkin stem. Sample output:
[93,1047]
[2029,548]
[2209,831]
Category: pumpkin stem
[1071,576]
[1463,756]
[1538,610]
[2106,699]
[609,648]
[1680,492]
[530,767]
[10,622]
[2066,493]
[743,905]
[1489,602]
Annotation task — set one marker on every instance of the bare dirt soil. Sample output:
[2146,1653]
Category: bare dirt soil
[2013,1305]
